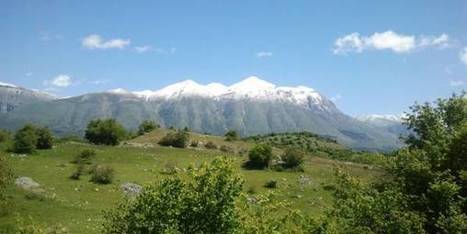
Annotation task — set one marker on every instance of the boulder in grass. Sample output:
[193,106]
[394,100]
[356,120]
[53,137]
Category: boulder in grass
[131,189]
[27,183]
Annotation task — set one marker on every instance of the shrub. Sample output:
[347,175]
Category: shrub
[231,135]
[78,172]
[194,143]
[147,126]
[4,135]
[292,158]
[203,204]
[105,132]
[177,139]
[210,145]
[44,138]
[84,157]
[226,149]
[102,174]
[25,140]
[260,156]
[5,180]
[271,184]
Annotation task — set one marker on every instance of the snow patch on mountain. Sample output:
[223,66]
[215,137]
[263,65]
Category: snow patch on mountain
[8,85]
[249,88]
[379,117]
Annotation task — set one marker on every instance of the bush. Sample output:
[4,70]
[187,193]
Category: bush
[177,139]
[147,126]
[210,145]
[194,143]
[226,149]
[105,132]
[84,157]
[231,135]
[271,184]
[292,158]
[44,138]
[260,156]
[4,135]
[5,180]
[25,140]
[79,171]
[102,174]
[203,204]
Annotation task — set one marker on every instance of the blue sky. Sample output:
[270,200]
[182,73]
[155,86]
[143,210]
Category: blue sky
[368,56]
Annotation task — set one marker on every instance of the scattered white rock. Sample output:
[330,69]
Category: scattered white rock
[131,189]
[27,183]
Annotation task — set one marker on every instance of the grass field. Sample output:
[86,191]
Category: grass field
[79,204]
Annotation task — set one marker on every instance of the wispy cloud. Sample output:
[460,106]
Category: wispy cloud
[143,49]
[336,98]
[456,83]
[463,55]
[263,54]
[61,81]
[388,40]
[28,74]
[95,41]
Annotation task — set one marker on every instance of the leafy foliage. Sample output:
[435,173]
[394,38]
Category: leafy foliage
[102,174]
[203,204]
[259,156]
[25,140]
[84,157]
[292,158]
[147,126]
[105,132]
[426,190]
[45,139]
[5,179]
[231,135]
[210,145]
[178,139]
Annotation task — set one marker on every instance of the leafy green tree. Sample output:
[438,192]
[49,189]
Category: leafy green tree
[147,126]
[231,135]
[105,132]
[4,135]
[45,138]
[205,203]
[293,158]
[259,156]
[25,140]
[427,186]
[178,139]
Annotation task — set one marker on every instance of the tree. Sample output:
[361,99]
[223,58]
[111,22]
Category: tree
[44,138]
[259,156]
[177,139]
[427,186]
[231,135]
[292,158]
[147,126]
[205,203]
[25,140]
[105,132]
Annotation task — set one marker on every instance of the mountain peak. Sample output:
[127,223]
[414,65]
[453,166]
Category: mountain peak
[253,82]
[8,85]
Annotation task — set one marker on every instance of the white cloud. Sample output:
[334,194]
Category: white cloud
[463,55]
[456,83]
[142,49]
[388,40]
[61,81]
[95,41]
[263,54]
[336,98]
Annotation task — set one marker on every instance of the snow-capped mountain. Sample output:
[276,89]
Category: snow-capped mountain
[376,117]
[13,96]
[251,106]
[251,88]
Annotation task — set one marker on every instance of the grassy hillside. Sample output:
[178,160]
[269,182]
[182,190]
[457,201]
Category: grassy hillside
[78,204]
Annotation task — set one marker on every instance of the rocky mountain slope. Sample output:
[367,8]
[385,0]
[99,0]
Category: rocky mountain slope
[252,107]
[12,96]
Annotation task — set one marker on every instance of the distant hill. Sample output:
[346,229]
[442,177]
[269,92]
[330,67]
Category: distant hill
[251,107]
[12,96]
